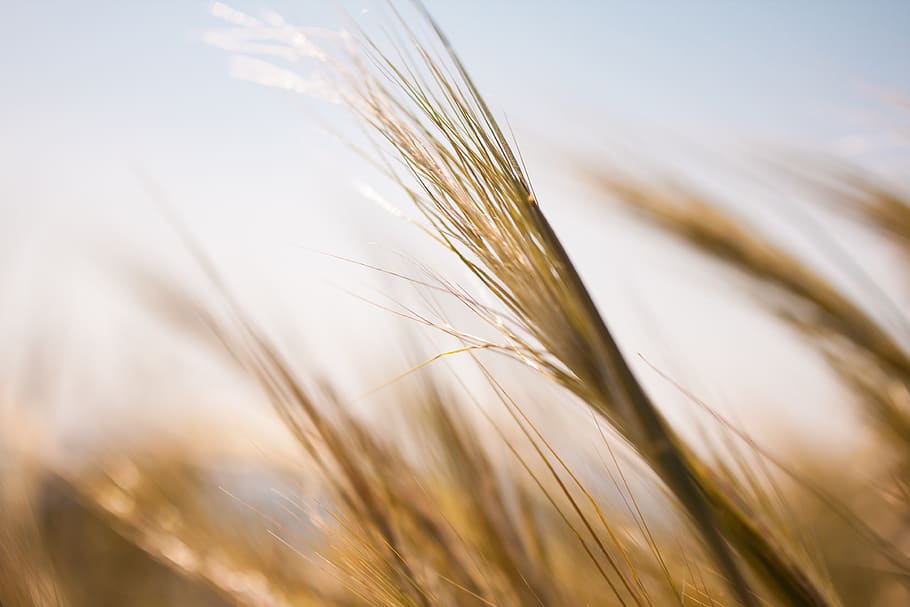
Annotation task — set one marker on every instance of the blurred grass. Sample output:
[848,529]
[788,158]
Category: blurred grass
[448,508]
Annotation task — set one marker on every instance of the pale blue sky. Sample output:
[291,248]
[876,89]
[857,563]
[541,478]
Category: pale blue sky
[112,64]
[105,81]
[92,90]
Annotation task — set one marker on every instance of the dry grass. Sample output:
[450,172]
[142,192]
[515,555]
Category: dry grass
[505,520]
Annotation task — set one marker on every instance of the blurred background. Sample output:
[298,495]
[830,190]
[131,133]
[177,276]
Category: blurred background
[111,111]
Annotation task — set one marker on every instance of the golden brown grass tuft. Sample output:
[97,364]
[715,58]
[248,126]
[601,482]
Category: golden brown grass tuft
[434,512]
